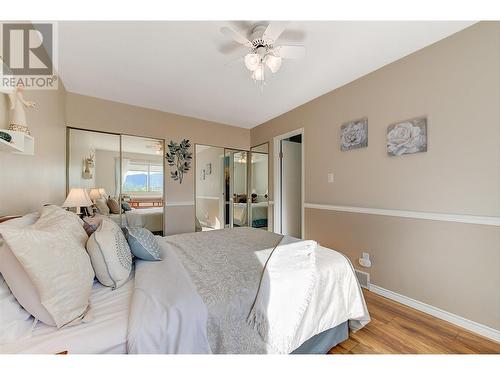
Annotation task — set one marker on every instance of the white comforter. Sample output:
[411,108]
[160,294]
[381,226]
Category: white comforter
[197,300]
[150,218]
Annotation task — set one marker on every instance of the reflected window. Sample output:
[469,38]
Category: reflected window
[143,177]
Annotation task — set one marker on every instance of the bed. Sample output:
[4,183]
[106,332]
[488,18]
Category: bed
[199,297]
[149,218]
[105,334]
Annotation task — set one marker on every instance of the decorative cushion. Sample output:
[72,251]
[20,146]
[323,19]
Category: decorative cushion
[110,254]
[102,206]
[143,244]
[126,206]
[16,277]
[15,322]
[56,278]
[89,228]
[114,206]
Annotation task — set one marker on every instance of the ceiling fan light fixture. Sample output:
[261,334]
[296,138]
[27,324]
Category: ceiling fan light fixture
[273,62]
[258,74]
[252,61]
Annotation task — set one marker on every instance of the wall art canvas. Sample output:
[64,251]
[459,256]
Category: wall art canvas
[407,137]
[354,134]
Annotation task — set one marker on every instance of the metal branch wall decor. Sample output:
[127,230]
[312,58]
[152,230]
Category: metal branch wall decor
[179,157]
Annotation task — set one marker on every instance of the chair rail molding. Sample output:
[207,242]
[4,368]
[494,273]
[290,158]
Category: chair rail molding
[457,218]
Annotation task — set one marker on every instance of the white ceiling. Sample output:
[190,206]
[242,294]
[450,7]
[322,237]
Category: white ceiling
[178,67]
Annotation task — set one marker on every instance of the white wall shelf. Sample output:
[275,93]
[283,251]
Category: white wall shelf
[21,143]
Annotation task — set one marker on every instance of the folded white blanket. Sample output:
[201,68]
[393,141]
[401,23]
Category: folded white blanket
[289,271]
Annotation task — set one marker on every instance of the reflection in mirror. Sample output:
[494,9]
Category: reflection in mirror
[89,168]
[142,182]
[209,176]
[259,215]
[238,182]
[124,183]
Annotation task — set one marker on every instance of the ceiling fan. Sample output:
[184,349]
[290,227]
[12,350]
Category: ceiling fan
[157,146]
[263,50]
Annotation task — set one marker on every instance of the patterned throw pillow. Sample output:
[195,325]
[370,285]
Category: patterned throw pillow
[110,254]
[143,244]
[113,205]
[126,206]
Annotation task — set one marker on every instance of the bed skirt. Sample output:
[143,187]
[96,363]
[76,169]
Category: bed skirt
[324,341]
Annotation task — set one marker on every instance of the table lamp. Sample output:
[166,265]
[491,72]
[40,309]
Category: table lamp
[77,197]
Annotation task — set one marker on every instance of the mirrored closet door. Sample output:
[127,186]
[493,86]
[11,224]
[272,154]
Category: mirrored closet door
[209,187]
[236,173]
[224,178]
[259,192]
[122,175]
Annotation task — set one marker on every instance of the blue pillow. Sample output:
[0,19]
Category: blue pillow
[143,243]
[126,206]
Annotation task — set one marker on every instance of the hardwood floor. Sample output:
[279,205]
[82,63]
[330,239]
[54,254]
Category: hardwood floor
[398,329]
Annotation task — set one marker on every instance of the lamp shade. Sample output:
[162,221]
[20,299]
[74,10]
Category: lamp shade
[258,74]
[77,197]
[94,194]
[252,61]
[273,63]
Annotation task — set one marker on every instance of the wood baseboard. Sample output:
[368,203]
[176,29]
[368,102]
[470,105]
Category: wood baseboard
[465,323]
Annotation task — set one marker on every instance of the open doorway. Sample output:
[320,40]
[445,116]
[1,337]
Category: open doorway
[289,185]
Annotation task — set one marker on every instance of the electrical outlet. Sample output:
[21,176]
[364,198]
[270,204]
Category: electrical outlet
[331,178]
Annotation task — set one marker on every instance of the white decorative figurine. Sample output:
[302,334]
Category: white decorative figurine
[17,115]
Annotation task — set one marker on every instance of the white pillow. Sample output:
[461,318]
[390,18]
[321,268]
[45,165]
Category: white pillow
[110,254]
[52,253]
[15,322]
[102,206]
[16,277]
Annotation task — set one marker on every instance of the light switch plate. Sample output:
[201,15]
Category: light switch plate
[331,178]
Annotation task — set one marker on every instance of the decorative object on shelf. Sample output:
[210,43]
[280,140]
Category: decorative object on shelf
[354,134]
[77,198]
[20,142]
[17,115]
[407,137]
[5,136]
[179,157]
[88,163]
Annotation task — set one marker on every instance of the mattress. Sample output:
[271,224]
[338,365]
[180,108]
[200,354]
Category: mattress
[106,333]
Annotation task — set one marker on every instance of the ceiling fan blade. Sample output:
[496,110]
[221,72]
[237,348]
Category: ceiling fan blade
[275,29]
[237,61]
[236,36]
[230,48]
[291,52]
[293,35]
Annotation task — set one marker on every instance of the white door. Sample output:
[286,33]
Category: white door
[291,180]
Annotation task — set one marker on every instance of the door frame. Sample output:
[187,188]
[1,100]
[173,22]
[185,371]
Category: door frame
[277,180]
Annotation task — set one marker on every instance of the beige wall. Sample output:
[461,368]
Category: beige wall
[456,83]
[28,182]
[98,114]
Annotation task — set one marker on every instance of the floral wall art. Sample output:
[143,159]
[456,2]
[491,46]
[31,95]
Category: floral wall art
[179,157]
[354,134]
[407,137]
